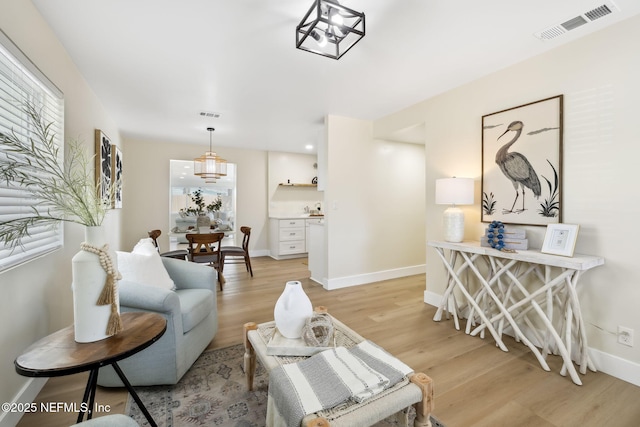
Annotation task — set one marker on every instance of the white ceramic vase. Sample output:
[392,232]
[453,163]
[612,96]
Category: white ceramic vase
[292,310]
[90,320]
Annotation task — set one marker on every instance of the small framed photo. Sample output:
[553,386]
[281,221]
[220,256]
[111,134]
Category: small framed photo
[103,166]
[560,239]
[116,171]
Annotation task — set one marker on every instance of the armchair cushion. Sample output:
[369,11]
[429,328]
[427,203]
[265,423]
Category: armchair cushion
[196,305]
[190,275]
[147,298]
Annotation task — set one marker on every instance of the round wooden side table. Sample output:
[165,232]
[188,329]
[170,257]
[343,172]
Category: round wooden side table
[59,354]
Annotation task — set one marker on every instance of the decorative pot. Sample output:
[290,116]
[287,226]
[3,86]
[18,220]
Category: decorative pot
[203,222]
[93,322]
[292,310]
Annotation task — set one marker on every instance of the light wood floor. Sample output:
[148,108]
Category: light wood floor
[476,384]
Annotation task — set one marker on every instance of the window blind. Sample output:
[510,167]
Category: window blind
[21,82]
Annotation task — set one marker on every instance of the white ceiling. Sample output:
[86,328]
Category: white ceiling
[156,64]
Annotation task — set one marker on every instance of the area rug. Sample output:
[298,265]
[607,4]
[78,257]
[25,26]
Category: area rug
[214,393]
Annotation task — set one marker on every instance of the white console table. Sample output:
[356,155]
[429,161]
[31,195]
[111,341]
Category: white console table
[523,290]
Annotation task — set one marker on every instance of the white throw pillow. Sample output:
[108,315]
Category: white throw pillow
[145,247]
[144,266]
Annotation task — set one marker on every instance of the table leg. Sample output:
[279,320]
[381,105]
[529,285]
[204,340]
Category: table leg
[89,395]
[444,306]
[581,333]
[133,393]
[470,300]
[504,312]
[249,355]
[92,396]
[547,322]
[425,406]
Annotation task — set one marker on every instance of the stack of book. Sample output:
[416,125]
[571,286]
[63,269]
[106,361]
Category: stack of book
[513,238]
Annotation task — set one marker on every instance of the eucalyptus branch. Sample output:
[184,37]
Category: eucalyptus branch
[64,191]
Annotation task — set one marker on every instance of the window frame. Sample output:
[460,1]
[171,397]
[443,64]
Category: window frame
[21,82]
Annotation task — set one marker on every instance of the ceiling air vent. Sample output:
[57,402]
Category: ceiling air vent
[571,24]
[210,114]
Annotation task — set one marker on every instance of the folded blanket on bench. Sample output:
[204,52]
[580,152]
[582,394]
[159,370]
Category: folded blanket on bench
[332,377]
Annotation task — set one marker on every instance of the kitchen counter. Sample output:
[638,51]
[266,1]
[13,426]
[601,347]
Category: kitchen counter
[294,216]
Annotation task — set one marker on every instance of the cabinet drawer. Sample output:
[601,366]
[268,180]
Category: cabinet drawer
[289,223]
[293,247]
[287,234]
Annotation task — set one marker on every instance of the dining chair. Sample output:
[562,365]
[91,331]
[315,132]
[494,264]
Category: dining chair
[177,254]
[205,248]
[238,254]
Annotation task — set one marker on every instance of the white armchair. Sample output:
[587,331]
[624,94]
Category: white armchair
[192,322]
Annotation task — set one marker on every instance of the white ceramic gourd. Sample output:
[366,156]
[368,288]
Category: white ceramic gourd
[292,310]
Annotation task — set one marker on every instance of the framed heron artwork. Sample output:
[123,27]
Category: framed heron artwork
[522,164]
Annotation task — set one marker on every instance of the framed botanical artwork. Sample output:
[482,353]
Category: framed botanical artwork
[522,164]
[103,166]
[560,239]
[116,169]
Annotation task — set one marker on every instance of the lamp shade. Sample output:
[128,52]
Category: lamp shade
[454,191]
[210,166]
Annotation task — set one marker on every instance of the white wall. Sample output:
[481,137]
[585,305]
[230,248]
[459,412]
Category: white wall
[37,296]
[146,189]
[598,76]
[374,205]
[296,168]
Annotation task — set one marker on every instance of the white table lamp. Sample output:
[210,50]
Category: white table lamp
[454,191]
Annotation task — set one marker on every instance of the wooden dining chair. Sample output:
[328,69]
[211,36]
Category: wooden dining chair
[177,254]
[238,254]
[205,248]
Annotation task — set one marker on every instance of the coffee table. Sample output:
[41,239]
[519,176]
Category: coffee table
[415,391]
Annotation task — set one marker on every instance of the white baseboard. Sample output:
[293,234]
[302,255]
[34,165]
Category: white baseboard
[322,282]
[260,252]
[377,276]
[26,395]
[615,366]
[432,298]
[609,364]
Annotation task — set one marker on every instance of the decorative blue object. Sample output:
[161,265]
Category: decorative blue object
[496,235]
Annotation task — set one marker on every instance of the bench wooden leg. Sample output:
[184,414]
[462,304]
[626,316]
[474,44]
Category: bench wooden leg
[249,355]
[318,422]
[423,408]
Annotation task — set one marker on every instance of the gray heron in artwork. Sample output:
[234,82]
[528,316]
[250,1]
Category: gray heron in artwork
[516,167]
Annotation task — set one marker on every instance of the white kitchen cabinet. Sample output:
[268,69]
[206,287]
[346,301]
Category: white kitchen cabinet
[307,234]
[287,238]
[317,253]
